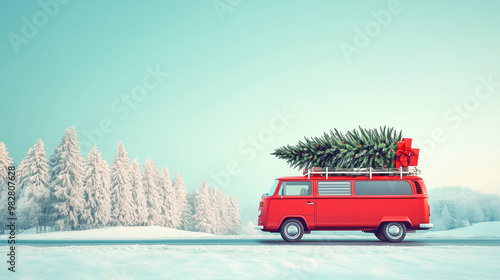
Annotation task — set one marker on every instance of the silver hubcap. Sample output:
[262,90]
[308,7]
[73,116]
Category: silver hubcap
[394,230]
[292,230]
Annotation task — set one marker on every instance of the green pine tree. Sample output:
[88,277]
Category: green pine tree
[361,148]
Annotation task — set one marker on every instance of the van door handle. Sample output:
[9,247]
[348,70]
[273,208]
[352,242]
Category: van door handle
[309,203]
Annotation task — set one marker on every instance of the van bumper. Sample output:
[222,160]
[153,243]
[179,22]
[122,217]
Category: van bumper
[425,226]
[259,227]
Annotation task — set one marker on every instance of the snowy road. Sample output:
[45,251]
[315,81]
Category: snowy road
[163,253]
[260,261]
[267,242]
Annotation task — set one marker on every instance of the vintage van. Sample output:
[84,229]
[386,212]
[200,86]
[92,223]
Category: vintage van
[388,203]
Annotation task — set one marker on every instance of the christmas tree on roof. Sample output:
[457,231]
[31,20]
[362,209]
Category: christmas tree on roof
[358,148]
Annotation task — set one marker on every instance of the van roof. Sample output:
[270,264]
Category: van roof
[337,178]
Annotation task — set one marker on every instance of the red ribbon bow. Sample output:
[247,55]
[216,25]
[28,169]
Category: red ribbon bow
[403,157]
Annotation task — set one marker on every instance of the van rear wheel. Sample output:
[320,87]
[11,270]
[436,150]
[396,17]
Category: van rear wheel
[292,230]
[394,231]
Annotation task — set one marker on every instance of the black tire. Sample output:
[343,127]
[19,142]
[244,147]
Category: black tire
[292,230]
[393,231]
[379,235]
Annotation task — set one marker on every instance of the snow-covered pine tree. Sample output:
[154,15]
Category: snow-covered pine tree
[138,195]
[86,218]
[179,215]
[445,220]
[33,201]
[97,207]
[20,171]
[190,211]
[204,216]
[226,214]
[150,181]
[5,162]
[122,205]
[235,216]
[66,182]
[22,222]
[215,209]
[169,204]
[218,202]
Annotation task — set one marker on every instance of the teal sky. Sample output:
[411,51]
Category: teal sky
[430,69]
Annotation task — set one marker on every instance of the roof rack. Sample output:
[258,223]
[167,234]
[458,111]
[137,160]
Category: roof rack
[361,171]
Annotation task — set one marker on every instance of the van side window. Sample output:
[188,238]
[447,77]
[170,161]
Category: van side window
[295,188]
[382,188]
[334,188]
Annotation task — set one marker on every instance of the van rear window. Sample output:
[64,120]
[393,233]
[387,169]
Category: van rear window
[382,188]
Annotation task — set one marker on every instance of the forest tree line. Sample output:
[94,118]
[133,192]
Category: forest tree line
[456,207]
[67,192]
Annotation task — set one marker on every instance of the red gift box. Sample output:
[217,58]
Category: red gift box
[405,155]
[414,157]
[402,158]
[407,142]
[401,146]
[399,164]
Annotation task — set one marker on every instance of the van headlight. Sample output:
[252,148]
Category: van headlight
[259,212]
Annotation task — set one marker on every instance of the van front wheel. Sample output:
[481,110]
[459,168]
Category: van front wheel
[379,235]
[394,231]
[292,230]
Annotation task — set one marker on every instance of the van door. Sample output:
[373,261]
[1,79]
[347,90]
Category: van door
[334,204]
[377,200]
[295,200]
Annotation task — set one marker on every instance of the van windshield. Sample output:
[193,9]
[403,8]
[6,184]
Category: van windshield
[272,189]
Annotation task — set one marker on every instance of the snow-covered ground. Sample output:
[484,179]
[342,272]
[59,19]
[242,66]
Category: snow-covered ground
[260,261]
[115,233]
[253,262]
[479,230]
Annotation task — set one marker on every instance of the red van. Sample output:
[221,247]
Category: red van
[388,203]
